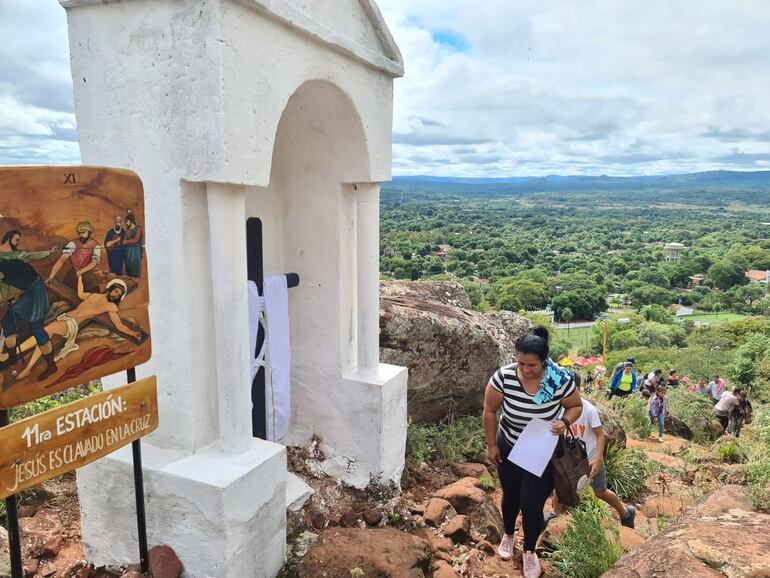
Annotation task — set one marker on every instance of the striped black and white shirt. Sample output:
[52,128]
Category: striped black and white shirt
[518,406]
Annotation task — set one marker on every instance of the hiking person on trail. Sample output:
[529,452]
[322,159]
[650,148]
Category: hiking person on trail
[621,366]
[702,388]
[624,383]
[725,406]
[658,410]
[673,379]
[588,427]
[532,387]
[740,415]
[652,380]
[717,387]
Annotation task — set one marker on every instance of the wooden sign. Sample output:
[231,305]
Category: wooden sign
[60,440]
[73,278]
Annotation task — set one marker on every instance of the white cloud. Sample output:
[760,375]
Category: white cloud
[595,86]
[499,87]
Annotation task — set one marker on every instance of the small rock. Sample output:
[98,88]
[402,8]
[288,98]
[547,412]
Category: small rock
[436,511]
[463,495]
[26,511]
[442,569]
[485,546]
[303,543]
[442,556]
[556,530]
[41,535]
[630,539]
[372,517]
[164,562]
[671,506]
[458,529]
[417,509]
[132,574]
[437,543]
[349,519]
[31,567]
[470,470]
[317,521]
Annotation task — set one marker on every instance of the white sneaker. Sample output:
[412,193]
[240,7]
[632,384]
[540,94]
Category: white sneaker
[531,565]
[505,549]
[660,439]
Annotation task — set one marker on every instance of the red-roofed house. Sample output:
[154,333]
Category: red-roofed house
[758,276]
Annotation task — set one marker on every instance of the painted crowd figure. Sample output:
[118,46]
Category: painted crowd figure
[27,300]
[132,243]
[124,246]
[113,242]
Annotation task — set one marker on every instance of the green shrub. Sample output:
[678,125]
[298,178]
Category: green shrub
[457,439]
[729,453]
[758,480]
[626,471]
[55,400]
[634,413]
[587,551]
[487,483]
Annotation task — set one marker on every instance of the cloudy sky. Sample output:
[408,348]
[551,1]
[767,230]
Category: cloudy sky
[499,87]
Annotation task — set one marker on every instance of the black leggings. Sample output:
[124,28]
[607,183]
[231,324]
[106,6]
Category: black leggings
[523,492]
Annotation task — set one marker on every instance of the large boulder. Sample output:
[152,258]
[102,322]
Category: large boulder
[5,561]
[378,553]
[451,351]
[734,545]
[676,427]
[612,425]
[722,500]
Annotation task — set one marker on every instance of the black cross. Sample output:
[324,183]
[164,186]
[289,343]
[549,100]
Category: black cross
[255,273]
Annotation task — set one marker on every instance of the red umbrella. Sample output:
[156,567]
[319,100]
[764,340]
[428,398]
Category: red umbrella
[595,360]
[582,361]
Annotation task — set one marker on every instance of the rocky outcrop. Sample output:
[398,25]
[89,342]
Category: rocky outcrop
[612,425]
[379,553]
[451,351]
[721,501]
[732,545]
[468,498]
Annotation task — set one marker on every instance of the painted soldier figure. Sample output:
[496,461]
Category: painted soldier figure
[26,300]
[84,253]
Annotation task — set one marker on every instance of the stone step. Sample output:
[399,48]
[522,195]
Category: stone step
[297,493]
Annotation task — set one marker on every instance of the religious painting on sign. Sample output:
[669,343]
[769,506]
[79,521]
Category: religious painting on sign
[73,278]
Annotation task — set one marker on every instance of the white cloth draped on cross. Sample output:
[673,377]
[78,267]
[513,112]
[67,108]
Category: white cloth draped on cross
[272,312]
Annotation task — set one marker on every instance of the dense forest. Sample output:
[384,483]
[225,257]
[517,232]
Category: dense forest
[519,249]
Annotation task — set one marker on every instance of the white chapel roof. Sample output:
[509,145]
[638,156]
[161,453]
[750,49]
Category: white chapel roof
[353,27]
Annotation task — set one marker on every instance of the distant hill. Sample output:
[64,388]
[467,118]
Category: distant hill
[558,183]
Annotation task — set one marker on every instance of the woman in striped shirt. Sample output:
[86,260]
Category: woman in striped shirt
[532,387]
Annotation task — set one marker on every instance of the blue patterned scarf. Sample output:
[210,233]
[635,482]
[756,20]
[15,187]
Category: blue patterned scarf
[553,378]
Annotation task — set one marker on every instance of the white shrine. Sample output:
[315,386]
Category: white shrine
[228,109]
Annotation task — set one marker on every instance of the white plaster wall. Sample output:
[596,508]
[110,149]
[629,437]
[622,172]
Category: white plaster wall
[257,90]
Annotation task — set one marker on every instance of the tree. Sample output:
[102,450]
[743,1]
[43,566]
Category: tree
[521,294]
[567,315]
[657,313]
[650,294]
[750,293]
[726,274]
[623,340]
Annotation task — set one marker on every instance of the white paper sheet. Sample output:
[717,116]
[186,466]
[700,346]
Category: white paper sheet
[535,446]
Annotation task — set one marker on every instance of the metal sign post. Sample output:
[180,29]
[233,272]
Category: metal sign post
[12,520]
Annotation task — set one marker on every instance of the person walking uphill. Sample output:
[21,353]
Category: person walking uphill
[532,387]
[658,410]
[624,383]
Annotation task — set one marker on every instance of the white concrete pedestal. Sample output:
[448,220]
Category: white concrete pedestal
[224,514]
